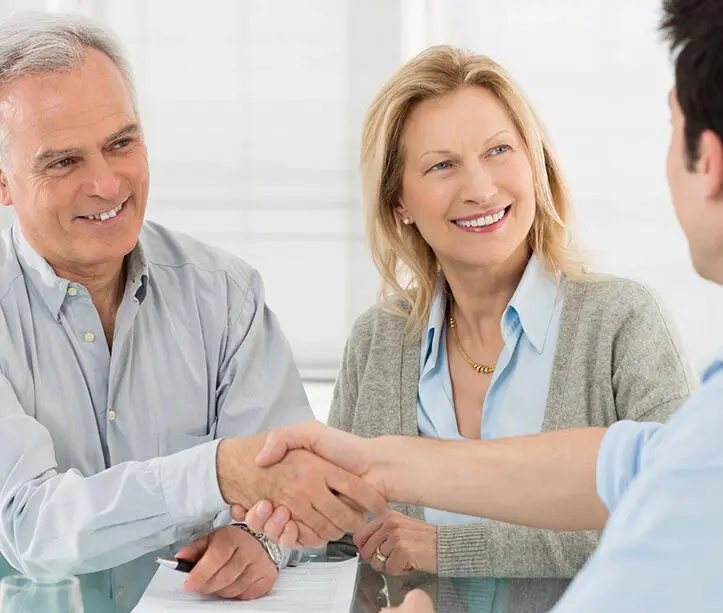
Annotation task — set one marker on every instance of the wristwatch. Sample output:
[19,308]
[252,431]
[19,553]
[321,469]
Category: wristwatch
[272,549]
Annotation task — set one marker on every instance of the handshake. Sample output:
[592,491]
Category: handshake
[305,485]
[309,484]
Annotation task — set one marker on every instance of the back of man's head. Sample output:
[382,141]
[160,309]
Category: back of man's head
[694,30]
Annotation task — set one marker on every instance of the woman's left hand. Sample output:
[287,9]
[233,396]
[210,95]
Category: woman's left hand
[408,544]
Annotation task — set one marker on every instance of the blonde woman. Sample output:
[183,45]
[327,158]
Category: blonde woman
[489,325]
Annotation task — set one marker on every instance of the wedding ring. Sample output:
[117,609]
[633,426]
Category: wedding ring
[380,556]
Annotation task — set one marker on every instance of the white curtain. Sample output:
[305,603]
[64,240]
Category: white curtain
[253,110]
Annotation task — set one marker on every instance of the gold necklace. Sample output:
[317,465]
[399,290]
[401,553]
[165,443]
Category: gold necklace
[480,368]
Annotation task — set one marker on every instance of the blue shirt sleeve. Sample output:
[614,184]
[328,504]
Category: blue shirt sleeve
[661,550]
[622,452]
[65,523]
[260,387]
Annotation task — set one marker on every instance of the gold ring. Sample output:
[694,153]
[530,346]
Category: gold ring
[380,556]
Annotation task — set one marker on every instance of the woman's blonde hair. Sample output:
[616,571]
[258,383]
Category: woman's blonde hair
[407,264]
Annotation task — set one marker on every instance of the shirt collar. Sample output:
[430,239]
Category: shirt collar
[53,289]
[435,325]
[137,272]
[534,303]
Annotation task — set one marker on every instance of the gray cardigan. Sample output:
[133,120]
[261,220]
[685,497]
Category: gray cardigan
[616,358]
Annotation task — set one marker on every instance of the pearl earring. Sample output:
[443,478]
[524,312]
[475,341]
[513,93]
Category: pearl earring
[407,221]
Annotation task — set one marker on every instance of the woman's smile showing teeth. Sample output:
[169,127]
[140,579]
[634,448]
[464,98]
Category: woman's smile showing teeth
[488,222]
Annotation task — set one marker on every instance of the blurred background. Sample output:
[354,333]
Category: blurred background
[253,110]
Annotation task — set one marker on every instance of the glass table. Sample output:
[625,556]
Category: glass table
[375,590]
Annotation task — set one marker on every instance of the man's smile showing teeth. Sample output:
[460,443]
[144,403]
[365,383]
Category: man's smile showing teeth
[105,215]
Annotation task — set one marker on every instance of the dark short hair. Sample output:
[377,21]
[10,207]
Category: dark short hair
[694,30]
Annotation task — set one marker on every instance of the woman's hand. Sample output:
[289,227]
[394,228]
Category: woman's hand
[396,544]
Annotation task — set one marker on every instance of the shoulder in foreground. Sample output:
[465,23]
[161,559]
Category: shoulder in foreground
[616,294]
[167,248]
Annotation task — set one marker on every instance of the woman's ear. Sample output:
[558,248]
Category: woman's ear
[404,215]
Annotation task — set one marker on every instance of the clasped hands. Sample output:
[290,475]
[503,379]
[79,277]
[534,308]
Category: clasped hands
[309,484]
[324,499]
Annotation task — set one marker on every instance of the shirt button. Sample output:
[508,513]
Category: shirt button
[89,337]
[72,291]
[111,414]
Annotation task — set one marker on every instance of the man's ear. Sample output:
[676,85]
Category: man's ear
[710,164]
[5,197]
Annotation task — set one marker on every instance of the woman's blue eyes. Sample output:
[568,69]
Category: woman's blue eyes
[441,166]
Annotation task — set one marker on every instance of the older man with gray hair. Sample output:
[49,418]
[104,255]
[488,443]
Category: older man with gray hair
[128,351]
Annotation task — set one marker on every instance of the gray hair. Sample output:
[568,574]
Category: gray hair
[44,43]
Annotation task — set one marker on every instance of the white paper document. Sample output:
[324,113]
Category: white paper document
[317,587]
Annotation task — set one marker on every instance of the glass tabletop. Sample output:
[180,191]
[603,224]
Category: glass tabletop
[457,595]
[375,590]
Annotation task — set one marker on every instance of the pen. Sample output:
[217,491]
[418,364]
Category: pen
[179,564]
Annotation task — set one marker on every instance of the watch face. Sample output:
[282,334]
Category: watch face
[275,552]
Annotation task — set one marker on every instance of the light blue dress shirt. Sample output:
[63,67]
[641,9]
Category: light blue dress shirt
[516,399]
[107,457]
[662,549]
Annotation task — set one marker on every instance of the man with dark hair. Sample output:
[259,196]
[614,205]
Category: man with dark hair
[656,489]
[693,29]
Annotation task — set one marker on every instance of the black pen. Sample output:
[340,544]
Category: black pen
[179,564]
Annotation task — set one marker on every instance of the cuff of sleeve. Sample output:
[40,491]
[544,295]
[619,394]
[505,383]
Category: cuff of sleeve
[190,484]
[619,458]
[461,551]
[223,519]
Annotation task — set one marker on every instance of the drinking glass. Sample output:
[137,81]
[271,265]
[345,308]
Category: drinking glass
[21,594]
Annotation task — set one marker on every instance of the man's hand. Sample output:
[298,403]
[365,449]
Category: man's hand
[323,500]
[408,544]
[231,563]
[358,456]
[415,602]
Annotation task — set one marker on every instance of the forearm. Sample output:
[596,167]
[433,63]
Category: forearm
[70,524]
[542,481]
